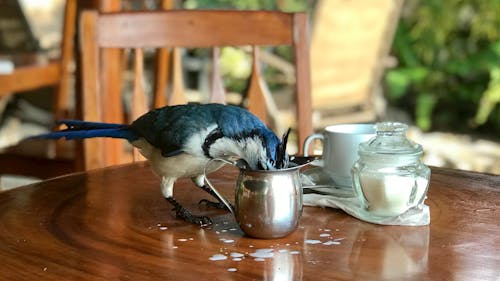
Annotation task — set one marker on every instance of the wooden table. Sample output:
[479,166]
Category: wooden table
[113,224]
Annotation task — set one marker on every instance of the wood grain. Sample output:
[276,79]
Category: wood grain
[195,28]
[113,224]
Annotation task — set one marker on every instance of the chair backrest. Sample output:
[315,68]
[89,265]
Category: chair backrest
[182,29]
[350,44]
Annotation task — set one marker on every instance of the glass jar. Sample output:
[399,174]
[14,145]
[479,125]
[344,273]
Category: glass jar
[389,178]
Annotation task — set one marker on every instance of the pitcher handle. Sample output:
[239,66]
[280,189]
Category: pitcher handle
[218,195]
[308,141]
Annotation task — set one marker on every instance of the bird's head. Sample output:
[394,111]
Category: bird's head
[241,134]
[275,156]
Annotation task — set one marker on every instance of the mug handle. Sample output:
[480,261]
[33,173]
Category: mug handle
[308,141]
[218,195]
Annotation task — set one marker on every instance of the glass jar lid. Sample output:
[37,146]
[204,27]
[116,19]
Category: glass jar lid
[390,140]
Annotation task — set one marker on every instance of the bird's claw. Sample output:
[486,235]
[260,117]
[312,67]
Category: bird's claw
[186,215]
[189,217]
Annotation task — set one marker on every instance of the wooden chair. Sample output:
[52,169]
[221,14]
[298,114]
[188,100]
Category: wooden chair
[176,29]
[43,159]
[350,44]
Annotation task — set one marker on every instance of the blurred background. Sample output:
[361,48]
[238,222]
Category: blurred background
[434,65]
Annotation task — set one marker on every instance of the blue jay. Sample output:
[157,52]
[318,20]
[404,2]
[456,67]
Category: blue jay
[179,141]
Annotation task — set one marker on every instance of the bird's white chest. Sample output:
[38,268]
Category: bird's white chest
[179,166]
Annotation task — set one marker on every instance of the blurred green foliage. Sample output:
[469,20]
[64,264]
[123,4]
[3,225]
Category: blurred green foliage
[448,72]
[282,5]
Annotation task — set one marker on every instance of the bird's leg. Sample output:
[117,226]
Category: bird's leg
[199,181]
[167,187]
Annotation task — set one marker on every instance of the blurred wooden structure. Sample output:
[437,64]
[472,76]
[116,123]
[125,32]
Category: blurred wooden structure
[175,29]
[349,47]
[43,159]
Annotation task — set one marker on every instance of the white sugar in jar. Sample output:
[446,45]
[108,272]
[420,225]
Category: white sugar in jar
[389,178]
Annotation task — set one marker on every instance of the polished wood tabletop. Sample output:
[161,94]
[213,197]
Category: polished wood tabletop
[113,224]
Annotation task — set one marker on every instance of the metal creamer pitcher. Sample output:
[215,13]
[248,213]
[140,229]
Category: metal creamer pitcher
[268,204]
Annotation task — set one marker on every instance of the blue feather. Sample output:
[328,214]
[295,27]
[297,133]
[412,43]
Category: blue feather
[83,130]
[89,125]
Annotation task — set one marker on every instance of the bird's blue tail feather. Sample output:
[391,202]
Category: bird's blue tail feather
[83,130]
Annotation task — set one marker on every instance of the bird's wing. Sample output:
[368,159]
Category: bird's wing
[169,127]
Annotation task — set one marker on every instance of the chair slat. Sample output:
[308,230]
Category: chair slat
[255,95]
[61,100]
[217,92]
[139,103]
[302,63]
[162,74]
[178,95]
[111,85]
[93,148]
[161,77]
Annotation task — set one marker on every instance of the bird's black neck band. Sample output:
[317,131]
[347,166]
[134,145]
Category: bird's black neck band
[211,138]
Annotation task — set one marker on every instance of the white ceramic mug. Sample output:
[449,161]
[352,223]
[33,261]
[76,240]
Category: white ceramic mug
[340,149]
